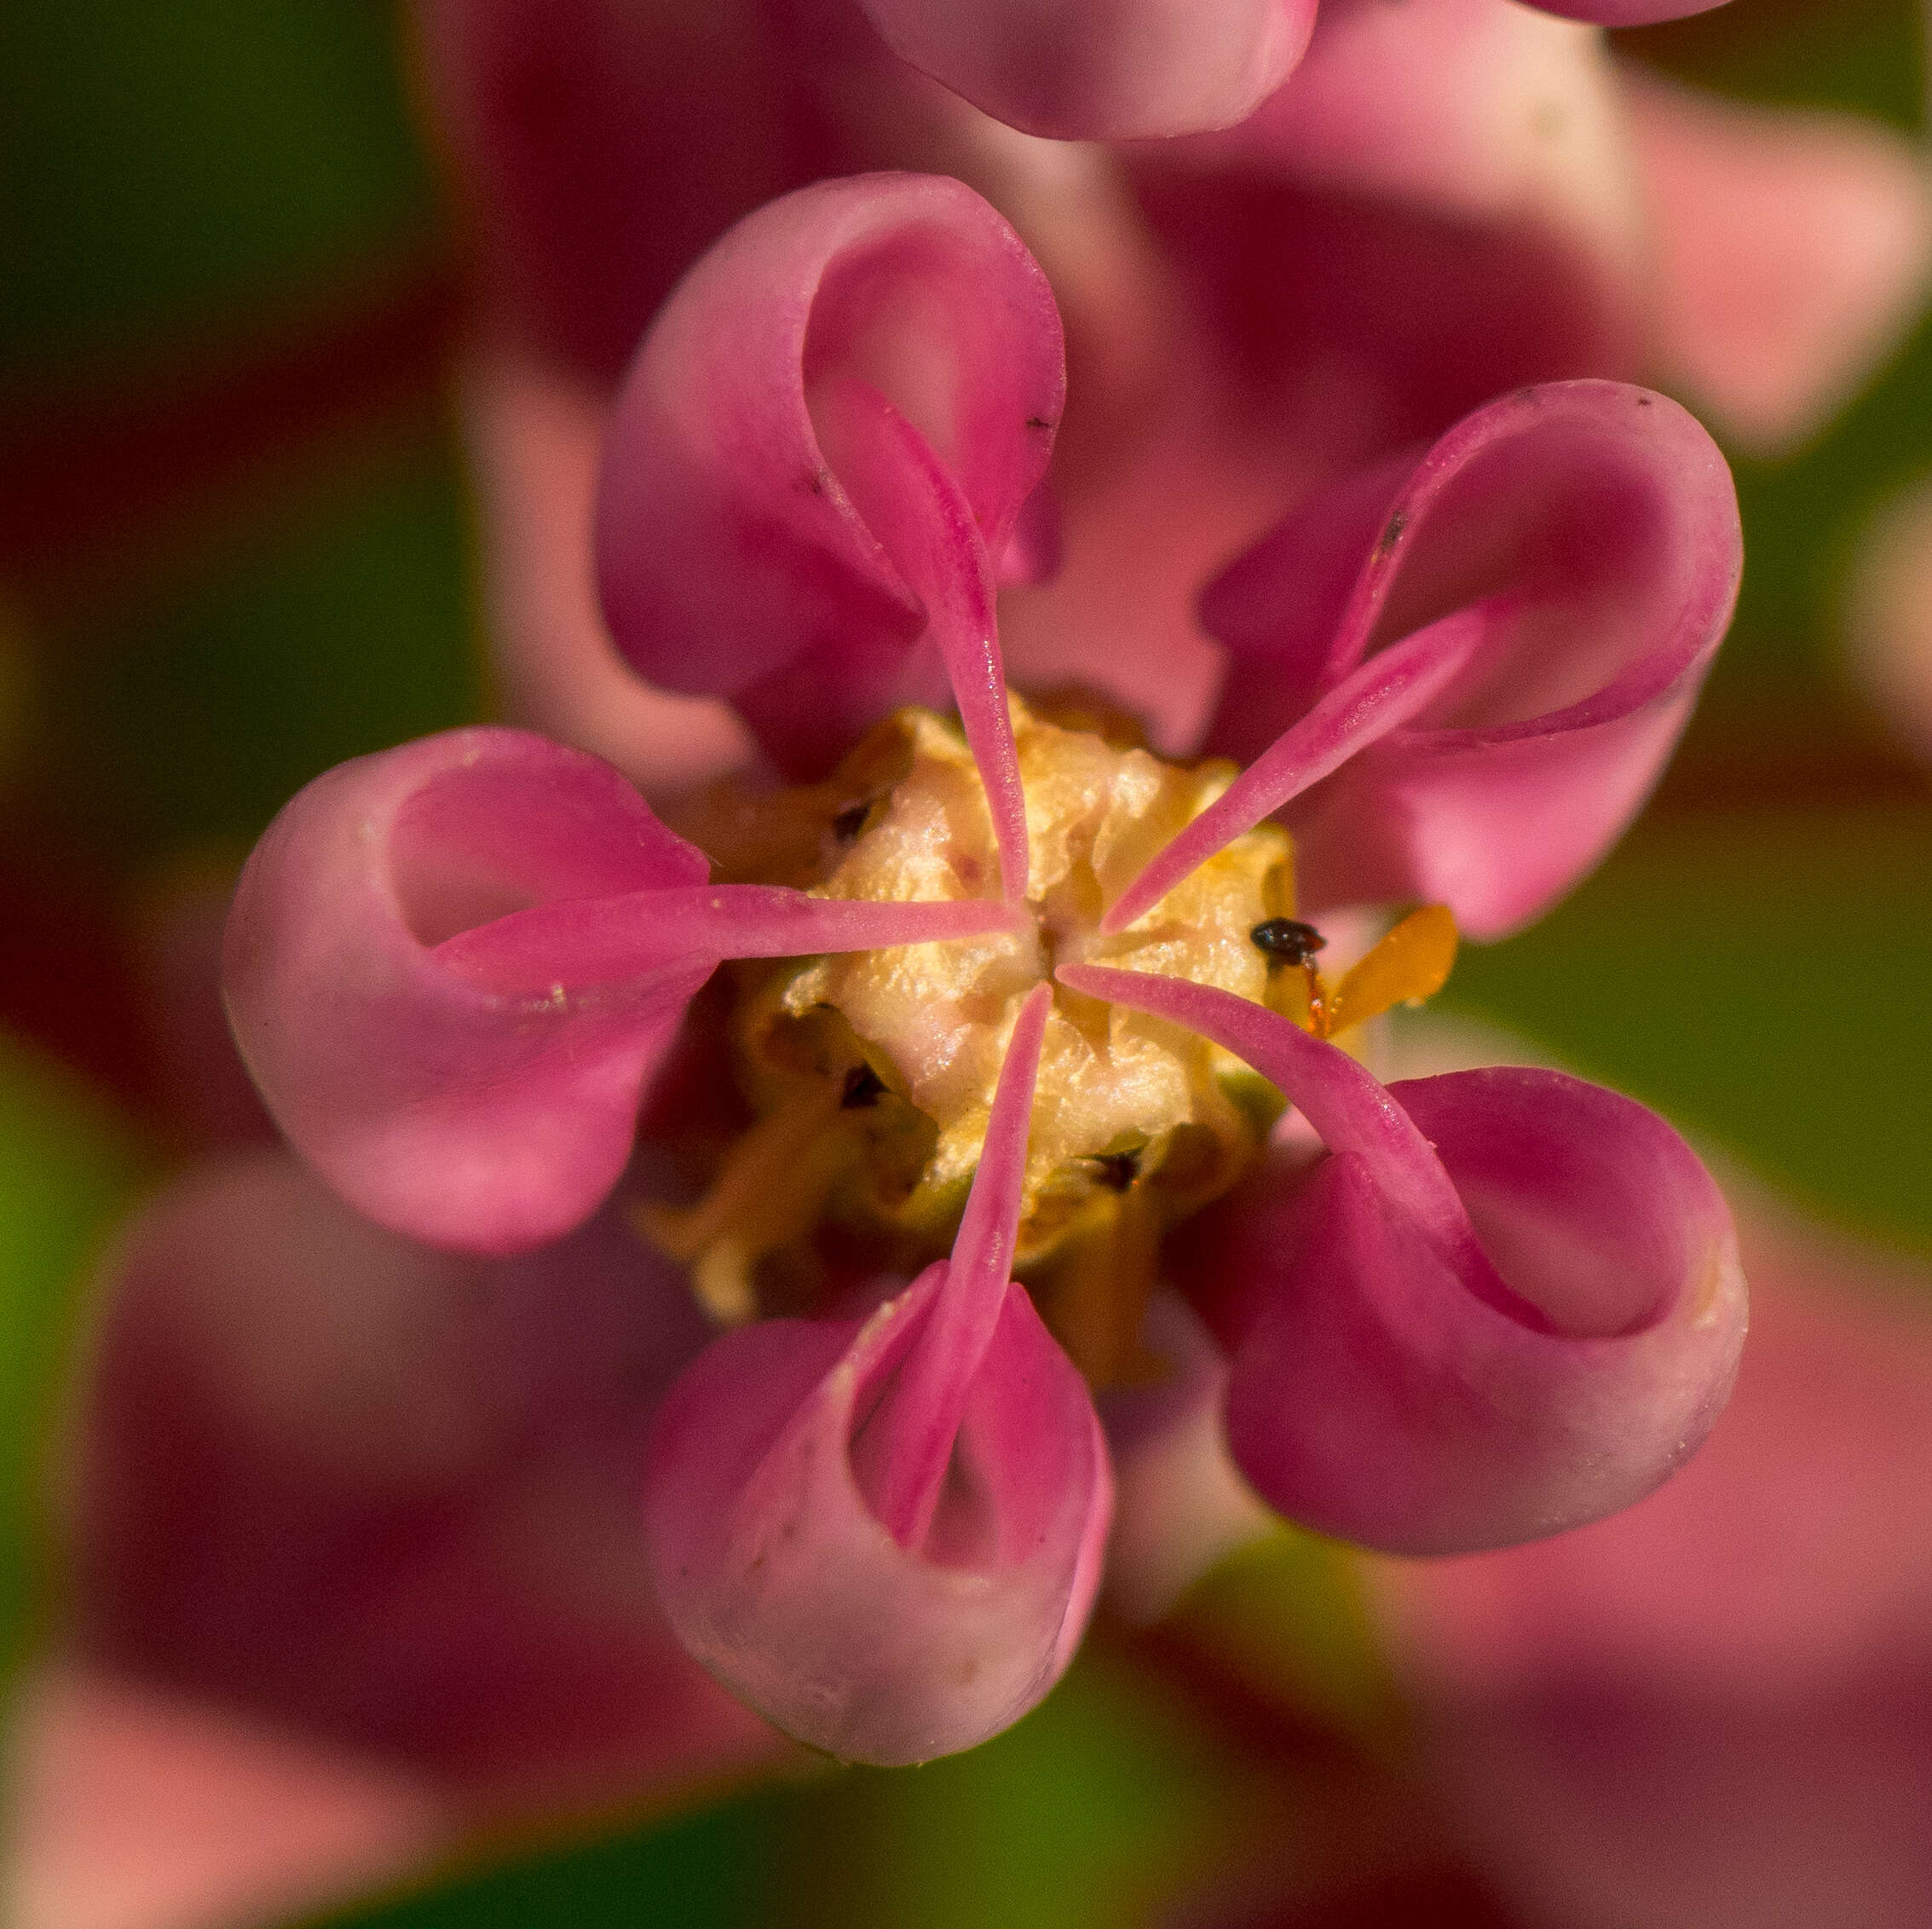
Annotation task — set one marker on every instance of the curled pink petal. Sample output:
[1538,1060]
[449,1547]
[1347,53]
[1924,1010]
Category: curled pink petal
[1592,529]
[437,1106]
[886,1537]
[1092,70]
[732,559]
[1507,1302]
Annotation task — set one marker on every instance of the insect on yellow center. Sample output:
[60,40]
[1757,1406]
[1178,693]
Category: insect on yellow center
[871,1074]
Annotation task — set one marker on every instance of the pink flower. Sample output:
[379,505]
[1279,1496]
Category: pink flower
[1027,966]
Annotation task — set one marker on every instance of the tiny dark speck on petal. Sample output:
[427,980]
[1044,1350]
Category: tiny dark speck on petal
[1038,422]
[1393,534]
[1643,401]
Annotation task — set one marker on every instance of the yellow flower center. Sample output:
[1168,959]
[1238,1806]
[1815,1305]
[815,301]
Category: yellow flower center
[873,1073]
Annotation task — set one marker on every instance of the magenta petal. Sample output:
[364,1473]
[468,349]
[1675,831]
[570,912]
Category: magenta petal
[1594,527]
[1426,1420]
[887,1537]
[732,559]
[780,1577]
[458,1114]
[1090,70]
[1506,1303]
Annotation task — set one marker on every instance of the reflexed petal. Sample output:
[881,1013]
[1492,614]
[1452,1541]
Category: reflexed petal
[460,1115]
[1444,1422]
[1507,1302]
[1592,529]
[887,1536]
[1091,70]
[734,559]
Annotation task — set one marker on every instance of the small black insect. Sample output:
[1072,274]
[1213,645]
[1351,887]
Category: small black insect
[850,821]
[862,1087]
[1116,1171]
[1287,940]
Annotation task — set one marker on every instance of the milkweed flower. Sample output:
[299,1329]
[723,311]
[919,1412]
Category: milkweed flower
[1015,1005]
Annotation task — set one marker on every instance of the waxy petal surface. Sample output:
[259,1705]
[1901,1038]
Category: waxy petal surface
[887,1536]
[1593,529]
[445,1109]
[1091,70]
[1506,1302]
[733,558]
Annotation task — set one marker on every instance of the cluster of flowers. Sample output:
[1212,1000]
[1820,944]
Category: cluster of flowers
[979,1079]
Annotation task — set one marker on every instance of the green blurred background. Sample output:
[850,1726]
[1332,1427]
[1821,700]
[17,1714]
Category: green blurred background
[234,549]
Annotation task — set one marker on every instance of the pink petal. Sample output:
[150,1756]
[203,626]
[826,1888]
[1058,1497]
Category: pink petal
[1717,1706]
[1507,1302]
[456,1114]
[1593,529]
[886,1537]
[1795,251]
[385,1496]
[133,1808]
[731,558]
[1089,70]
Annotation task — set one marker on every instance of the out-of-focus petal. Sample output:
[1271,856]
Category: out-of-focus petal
[1091,70]
[1505,1303]
[458,1114]
[135,1809]
[387,1496]
[887,1536]
[1716,1707]
[1593,529]
[732,559]
[1888,614]
[534,435]
[1179,1502]
[1794,250]
[1626,13]
[600,148]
